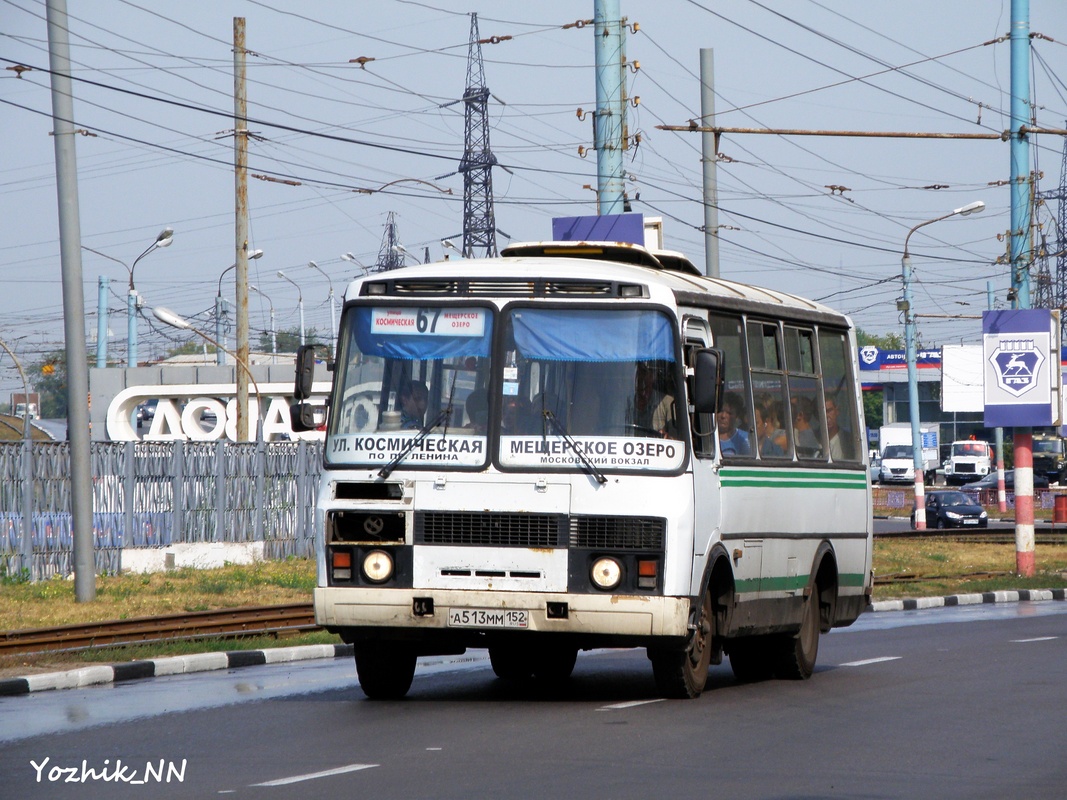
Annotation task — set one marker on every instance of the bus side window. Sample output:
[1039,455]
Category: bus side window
[736,437]
[808,413]
[843,426]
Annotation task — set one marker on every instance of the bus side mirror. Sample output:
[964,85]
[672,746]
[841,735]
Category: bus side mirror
[305,371]
[306,417]
[707,380]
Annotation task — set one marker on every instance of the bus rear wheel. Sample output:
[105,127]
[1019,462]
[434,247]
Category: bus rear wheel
[555,664]
[795,655]
[510,663]
[750,659]
[682,674]
[384,672]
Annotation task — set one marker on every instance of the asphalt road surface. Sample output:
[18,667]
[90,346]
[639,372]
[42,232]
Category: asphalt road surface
[949,703]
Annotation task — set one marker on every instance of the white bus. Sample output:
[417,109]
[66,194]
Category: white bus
[588,445]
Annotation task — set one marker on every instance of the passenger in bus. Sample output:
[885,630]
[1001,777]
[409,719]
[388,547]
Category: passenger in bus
[770,438]
[732,440]
[516,416]
[413,399]
[653,409]
[807,440]
[840,441]
[477,407]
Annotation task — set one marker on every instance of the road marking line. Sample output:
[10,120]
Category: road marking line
[867,661]
[630,704]
[1038,639]
[313,775]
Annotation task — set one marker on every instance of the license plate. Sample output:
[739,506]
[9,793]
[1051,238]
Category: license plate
[488,618]
[970,522]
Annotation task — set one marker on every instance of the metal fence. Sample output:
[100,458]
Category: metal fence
[157,494]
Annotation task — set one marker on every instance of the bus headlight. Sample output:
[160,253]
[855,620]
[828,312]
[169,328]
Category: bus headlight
[377,566]
[606,573]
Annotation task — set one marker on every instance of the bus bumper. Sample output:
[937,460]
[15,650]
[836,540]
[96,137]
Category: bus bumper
[626,616]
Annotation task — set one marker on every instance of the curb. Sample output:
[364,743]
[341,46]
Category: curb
[1022,595]
[175,665]
[178,665]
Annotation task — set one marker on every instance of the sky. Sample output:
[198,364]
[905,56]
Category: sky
[346,145]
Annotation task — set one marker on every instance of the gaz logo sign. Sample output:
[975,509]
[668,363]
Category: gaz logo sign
[1017,363]
[1021,369]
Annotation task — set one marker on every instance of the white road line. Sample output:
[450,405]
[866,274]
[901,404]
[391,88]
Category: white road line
[313,775]
[630,704]
[867,661]
[1038,639]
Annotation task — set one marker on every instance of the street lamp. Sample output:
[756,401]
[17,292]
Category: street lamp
[909,344]
[168,317]
[300,302]
[448,244]
[273,337]
[400,250]
[220,309]
[333,311]
[164,239]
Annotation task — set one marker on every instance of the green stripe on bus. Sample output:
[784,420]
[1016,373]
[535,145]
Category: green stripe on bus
[788,484]
[792,584]
[793,479]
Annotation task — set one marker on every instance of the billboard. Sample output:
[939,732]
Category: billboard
[1021,367]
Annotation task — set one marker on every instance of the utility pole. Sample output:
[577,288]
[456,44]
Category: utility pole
[81,504]
[709,158]
[240,173]
[998,433]
[1019,144]
[609,121]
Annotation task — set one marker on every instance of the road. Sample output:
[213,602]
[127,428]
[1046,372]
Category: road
[948,703]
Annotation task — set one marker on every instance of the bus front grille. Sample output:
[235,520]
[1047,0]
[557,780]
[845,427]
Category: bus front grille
[489,529]
[618,533]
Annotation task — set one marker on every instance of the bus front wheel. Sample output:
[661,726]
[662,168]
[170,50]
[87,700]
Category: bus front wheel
[385,672]
[682,674]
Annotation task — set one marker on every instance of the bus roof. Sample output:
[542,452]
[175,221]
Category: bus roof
[568,267]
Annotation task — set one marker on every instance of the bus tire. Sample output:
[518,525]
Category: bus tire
[510,663]
[751,658]
[385,672]
[555,664]
[682,674]
[795,655]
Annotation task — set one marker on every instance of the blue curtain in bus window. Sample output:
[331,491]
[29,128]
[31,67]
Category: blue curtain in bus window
[426,345]
[587,335]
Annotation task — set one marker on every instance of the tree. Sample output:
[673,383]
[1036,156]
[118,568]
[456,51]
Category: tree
[48,378]
[288,339]
[885,341]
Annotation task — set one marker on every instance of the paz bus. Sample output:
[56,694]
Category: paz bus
[587,445]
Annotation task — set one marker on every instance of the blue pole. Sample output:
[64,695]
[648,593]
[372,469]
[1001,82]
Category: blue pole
[1020,268]
[609,119]
[1020,150]
[101,321]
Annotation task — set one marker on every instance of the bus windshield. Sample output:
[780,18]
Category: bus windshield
[411,387]
[590,388]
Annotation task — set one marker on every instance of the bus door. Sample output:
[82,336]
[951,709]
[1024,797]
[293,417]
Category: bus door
[707,509]
[741,511]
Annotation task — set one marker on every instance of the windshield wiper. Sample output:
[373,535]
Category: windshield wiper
[416,440]
[443,417]
[586,462]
